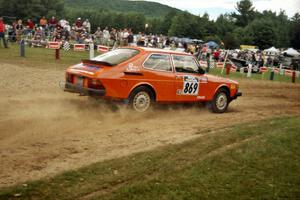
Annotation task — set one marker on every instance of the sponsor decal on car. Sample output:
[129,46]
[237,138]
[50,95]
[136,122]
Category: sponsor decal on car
[200,97]
[132,68]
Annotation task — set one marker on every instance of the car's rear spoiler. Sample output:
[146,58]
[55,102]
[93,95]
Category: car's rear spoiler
[95,62]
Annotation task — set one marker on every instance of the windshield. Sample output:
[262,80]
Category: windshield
[117,56]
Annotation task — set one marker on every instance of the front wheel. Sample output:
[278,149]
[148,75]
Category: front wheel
[141,99]
[220,101]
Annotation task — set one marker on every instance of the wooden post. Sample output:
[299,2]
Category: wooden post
[57,54]
[91,47]
[225,60]
[22,48]
[294,77]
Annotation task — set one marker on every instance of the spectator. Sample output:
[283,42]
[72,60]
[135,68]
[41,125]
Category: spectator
[79,26]
[37,37]
[68,27]
[58,33]
[87,25]
[2,32]
[113,37]
[125,37]
[139,39]
[58,25]
[65,34]
[52,23]
[120,34]
[63,22]
[43,22]
[130,38]
[216,55]
[98,36]
[106,36]
[19,30]
[30,28]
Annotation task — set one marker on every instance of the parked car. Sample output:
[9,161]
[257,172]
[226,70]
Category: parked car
[142,76]
[239,63]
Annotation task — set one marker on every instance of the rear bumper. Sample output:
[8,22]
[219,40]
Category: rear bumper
[69,87]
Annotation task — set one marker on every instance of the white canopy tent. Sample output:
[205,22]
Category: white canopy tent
[291,52]
[272,51]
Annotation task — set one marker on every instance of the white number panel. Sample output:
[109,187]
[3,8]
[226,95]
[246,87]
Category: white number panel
[190,85]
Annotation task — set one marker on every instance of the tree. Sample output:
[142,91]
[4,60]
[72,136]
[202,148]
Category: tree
[245,13]
[31,8]
[230,41]
[167,22]
[263,33]
[224,24]
[295,31]
[188,25]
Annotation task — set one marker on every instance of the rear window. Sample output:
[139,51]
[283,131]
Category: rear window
[117,56]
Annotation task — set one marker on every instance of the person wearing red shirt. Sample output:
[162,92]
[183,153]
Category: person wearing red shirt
[30,27]
[2,32]
[216,55]
[52,23]
[30,24]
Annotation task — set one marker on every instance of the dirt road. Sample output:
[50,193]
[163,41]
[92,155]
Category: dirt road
[44,131]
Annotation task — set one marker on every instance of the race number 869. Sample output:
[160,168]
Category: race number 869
[190,87]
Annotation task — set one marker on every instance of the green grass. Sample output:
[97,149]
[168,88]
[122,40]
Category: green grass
[247,161]
[41,57]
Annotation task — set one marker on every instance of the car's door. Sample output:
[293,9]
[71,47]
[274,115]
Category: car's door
[160,74]
[189,83]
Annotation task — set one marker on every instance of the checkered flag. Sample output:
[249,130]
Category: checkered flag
[66,46]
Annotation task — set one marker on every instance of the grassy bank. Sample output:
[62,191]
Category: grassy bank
[248,161]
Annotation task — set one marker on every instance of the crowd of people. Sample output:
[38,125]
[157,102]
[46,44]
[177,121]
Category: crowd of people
[80,32]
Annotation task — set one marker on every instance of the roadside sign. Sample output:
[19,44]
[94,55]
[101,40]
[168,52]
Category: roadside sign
[233,68]
[79,47]
[220,64]
[54,45]
[101,48]
[263,69]
[288,72]
[276,70]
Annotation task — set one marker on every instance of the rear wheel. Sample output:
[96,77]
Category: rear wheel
[220,101]
[141,99]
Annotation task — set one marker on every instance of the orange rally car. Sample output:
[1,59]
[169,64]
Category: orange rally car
[141,76]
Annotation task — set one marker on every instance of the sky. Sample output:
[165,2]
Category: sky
[216,7]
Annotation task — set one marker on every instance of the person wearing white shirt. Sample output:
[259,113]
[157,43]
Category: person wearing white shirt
[87,25]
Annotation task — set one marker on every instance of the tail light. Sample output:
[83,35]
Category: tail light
[95,84]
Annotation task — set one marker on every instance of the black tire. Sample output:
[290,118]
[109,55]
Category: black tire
[220,101]
[141,99]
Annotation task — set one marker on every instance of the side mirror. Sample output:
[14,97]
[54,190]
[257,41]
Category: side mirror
[201,71]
